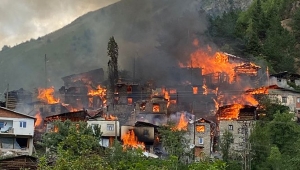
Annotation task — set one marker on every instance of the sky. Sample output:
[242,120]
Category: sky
[21,20]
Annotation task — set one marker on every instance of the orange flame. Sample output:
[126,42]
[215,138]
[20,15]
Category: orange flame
[231,112]
[130,141]
[182,124]
[46,95]
[39,119]
[99,91]
[111,117]
[167,97]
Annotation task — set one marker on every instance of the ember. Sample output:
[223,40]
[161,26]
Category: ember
[46,95]
[131,141]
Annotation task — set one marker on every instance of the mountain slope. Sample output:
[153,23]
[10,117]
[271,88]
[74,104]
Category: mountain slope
[81,45]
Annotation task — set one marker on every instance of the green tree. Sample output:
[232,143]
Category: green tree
[113,53]
[226,141]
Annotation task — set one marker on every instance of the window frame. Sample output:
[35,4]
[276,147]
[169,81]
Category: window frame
[110,127]
[230,127]
[200,141]
[23,124]
[283,99]
[3,124]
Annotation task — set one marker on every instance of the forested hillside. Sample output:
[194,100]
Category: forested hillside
[268,30]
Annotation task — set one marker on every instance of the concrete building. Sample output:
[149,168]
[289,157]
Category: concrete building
[110,130]
[17,131]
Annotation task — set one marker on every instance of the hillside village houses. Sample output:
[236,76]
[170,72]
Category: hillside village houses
[17,131]
[283,90]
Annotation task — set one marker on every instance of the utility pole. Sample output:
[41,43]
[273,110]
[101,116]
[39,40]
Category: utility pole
[246,147]
[46,71]
[6,103]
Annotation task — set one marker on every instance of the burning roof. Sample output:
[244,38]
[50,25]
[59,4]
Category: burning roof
[236,112]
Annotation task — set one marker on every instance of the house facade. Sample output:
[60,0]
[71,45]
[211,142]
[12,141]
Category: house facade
[17,131]
[204,131]
[287,97]
[110,130]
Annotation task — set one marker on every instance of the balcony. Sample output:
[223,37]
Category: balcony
[9,130]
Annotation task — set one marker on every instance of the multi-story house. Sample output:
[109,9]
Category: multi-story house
[203,134]
[110,130]
[240,126]
[17,131]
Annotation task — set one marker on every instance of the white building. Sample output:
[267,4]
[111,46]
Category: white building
[17,130]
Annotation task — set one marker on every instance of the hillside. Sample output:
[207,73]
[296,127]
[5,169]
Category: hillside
[138,27]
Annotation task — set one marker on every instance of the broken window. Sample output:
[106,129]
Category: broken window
[230,127]
[173,91]
[110,127]
[155,108]
[298,99]
[22,124]
[195,90]
[129,101]
[129,89]
[143,107]
[200,140]
[200,128]
[146,132]
[284,100]
[173,101]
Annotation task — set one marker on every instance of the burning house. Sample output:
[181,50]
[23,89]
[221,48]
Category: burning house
[141,134]
[18,100]
[84,90]
[239,120]
[204,132]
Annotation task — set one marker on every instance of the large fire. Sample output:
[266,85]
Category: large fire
[39,119]
[99,91]
[47,95]
[182,124]
[130,141]
[231,111]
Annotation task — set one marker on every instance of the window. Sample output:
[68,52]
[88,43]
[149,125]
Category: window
[297,111]
[230,127]
[129,89]
[284,100]
[129,101]
[200,140]
[195,90]
[298,99]
[146,132]
[200,128]
[1,124]
[155,108]
[23,124]
[41,109]
[110,127]
[278,80]
[173,91]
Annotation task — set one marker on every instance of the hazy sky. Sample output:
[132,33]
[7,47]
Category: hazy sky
[21,20]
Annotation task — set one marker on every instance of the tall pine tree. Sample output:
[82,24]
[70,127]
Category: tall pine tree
[112,52]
